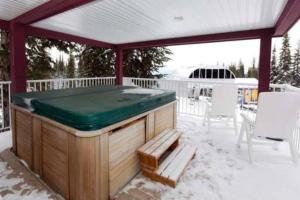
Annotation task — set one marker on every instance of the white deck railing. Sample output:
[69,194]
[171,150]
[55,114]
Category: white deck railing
[52,84]
[4,105]
[190,92]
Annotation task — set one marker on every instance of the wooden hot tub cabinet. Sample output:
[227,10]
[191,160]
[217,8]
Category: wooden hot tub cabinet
[89,165]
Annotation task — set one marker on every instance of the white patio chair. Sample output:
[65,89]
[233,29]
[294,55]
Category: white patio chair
[223,104]
[277,117]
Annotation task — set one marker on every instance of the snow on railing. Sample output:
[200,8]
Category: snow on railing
[52,84]
[4,105]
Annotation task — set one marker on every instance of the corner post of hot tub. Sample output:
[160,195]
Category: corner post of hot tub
[119,65]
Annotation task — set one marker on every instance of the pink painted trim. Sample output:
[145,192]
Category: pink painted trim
[17,58]
[264,62]
[4,25]
[289,16]
[48,9]
[220,37]
[38,32]
[119,66]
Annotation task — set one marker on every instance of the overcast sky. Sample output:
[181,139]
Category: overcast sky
[186,56]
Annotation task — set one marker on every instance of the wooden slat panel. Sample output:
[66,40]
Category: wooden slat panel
[55,137]
[55,169]
[88,168]
[37,147]
[55,158]
[24,137]
[150,132]
[164,118]
[14,130]
[123,159]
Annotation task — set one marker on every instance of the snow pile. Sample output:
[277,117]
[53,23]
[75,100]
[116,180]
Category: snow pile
[151,92]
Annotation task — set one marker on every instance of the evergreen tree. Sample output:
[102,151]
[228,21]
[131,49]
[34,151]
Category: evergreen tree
[39,61]
[70,68]
[233,69]
[296,67]
[285,60]
[145,62]
[274,68]
[59,67]
[241,70]
[4,56]
[5,74]
[253,71]
[96,61]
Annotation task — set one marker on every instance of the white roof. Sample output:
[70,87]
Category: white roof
[124,21]
[10,9]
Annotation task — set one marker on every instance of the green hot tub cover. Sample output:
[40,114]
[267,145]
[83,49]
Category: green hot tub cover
[101,107]
[25,99]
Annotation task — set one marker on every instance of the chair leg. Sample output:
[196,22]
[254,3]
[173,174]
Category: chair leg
[241,135]
[208,123]
[293,151]
[249,141]
[205,116]
[235,125]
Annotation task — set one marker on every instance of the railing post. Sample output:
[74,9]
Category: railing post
[119,66]
[265,62]
[17,58]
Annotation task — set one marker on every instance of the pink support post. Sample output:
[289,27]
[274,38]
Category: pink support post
[119,66]
[265,62]
[17,58]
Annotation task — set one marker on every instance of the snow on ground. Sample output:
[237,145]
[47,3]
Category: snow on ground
[220,171]
[13,186]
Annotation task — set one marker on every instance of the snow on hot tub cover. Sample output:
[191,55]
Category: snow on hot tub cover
[94,110]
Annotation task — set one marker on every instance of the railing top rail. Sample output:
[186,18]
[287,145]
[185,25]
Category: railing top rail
[210,82]
[69,79]
[5,82]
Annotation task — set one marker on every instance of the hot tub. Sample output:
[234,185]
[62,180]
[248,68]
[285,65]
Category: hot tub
[83,141]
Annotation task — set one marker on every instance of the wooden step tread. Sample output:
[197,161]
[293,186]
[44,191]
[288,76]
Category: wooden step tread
[173,166]
[152,151]
[160,143]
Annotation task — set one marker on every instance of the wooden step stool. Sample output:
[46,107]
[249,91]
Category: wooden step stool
[163,159]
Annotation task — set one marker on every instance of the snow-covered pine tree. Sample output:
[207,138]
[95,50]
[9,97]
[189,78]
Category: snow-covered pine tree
[241,70]
[285,69]
[252,71]
[296,66]
[70,68]
[274,67]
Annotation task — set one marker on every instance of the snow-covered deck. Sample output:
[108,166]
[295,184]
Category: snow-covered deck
[219,171]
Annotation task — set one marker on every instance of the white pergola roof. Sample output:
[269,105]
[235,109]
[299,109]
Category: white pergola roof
[125,21]
[10,9]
